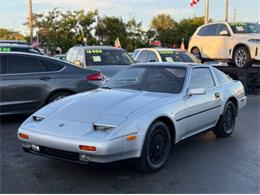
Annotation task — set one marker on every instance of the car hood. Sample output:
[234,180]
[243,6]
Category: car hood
[101,105]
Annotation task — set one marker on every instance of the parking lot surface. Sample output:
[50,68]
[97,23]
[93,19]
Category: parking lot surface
[201,164]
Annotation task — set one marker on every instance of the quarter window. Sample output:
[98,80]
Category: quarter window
[222,78]
[201,78]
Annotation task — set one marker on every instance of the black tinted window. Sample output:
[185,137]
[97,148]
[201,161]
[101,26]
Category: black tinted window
[51,65]
[176,56]
[155,79]
[222,78]
[209,30]
[23,64]
[201,78]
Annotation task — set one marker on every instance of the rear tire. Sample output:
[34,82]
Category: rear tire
[241,57]
[156,148]
[226,123]
[58,96]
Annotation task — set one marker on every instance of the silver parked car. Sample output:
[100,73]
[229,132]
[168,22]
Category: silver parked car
[140,113]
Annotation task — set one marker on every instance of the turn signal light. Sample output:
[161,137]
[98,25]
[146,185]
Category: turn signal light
[88,148]
[131,137]
[23,136]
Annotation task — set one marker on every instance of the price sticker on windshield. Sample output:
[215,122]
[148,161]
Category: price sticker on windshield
[166,52]
[94,51]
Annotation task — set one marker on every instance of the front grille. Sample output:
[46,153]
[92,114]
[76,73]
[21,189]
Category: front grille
[59,153]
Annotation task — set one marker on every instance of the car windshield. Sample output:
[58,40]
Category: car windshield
[166,79]
[244,28]
[101,57]
[176,56]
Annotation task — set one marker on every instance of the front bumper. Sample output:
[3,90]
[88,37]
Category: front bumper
[68,149]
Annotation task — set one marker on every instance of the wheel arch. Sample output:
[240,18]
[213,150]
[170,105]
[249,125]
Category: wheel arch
[58,91]
[170,124]
[240,45]
[235,102]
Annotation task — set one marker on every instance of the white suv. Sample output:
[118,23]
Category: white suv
[237,43]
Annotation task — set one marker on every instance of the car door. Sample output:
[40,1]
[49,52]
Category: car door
[201,111]
[25,84]
[208,43]
[221,42]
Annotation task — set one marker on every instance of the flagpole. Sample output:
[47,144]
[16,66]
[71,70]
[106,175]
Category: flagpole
[30,21]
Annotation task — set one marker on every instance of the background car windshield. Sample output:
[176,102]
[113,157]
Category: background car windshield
[147,78]
[176,56]
[107,57]
[245,27]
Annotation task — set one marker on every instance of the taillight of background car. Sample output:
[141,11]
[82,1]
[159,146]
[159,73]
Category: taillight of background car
[98,76]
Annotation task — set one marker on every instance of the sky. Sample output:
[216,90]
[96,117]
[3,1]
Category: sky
[13,13]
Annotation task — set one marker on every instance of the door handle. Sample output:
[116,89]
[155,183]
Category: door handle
[217,95]
[45,78]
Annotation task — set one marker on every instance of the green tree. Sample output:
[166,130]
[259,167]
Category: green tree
[164,26]
[186,27]
[135,35]
[109,28]
[58,29]
[6,34]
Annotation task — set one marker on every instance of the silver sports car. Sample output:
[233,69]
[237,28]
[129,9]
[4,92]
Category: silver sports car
[140,113]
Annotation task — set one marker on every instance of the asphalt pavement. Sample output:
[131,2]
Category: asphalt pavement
[201,164]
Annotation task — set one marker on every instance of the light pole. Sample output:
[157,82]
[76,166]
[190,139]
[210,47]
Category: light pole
[30,21]
[206,12]
[226,17]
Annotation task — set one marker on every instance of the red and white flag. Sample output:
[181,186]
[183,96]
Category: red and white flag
[117,43]
[194,2]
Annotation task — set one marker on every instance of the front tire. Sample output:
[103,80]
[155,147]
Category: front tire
[242,58]
[226,123]
[156,148]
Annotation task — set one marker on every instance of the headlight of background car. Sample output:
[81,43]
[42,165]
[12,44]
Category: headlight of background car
[254,40]
[103,127]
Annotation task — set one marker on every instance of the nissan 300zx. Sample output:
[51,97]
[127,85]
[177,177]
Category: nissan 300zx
[139,114]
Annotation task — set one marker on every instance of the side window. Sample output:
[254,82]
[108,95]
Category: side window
[74,55]
[152,57]
[81,57]
[68,58]
[222,78]
[144,56]
[23,64]
[221,27]
[201,78]
[209,30]
[51,65]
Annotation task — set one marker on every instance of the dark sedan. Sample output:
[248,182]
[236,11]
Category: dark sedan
[30,81]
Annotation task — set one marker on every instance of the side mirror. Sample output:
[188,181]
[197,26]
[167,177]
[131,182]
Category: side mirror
[197,91]
[224,33]
[77,62]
